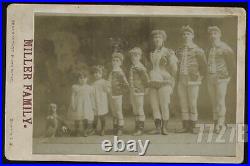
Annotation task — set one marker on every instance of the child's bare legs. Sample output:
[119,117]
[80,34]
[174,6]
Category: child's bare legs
[85,127]
[103,124]
[115,125]
[77,127]
[95,123]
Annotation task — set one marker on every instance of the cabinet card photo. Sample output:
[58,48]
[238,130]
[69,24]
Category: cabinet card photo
[116,83]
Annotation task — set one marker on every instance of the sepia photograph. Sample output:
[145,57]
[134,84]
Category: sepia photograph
[134,83]
[100,77]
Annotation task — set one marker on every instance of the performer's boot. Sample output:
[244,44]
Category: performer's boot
[90,129]
[185,127]
[85,128]
[157,129]
[136,126]
[77,128]
[119,130]
[193,128]
[189,126]
[140,128]
[221,125]
[215,126]
[164,127]
[103,125]
[115,128]
[95,123]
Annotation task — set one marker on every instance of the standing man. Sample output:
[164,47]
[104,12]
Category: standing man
[162,79]
[192,68]
[221,66]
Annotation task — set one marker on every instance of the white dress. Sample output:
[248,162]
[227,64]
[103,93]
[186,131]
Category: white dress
[82,103]
[101,89]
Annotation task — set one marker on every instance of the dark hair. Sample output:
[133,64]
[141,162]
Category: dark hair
[98,68]
[50,110]
[82,74]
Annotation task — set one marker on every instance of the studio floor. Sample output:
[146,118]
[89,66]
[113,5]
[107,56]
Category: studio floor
[205,143]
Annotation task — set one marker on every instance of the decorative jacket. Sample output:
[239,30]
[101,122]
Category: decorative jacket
[221,61]
[164,67]
[118,82]
[192,62]
[138,78]
[164,59]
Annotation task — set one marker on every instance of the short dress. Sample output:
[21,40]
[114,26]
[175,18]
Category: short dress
[101,89]
[82,103]
[160,59]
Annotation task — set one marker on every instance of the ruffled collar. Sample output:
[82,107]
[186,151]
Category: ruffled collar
[189,45]
[139,65]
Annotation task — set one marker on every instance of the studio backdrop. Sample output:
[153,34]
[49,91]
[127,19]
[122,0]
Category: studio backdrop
[67,44]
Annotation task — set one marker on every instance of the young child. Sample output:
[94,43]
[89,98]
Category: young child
[55,125]
[138,79]
[118,83]
[101,89]
[82,105]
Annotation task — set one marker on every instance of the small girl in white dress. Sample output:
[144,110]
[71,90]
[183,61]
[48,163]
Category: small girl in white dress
[101,90]
[82,105]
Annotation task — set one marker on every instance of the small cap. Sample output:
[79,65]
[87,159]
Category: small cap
[214,28]
[187,29]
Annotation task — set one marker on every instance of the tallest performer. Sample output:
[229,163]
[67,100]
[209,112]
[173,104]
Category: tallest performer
[221,67]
